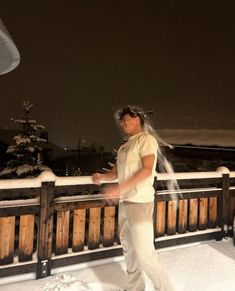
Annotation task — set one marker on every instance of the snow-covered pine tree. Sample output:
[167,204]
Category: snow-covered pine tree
[27,149]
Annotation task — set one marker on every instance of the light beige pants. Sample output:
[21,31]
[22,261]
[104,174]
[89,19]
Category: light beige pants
[136,235]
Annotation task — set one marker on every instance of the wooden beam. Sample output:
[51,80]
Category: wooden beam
[45,229]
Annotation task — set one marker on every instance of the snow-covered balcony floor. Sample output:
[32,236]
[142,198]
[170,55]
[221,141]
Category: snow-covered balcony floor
[204,266]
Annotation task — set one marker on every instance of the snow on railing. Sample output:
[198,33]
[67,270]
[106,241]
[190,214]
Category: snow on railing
[48,176]
[232,174]
[20,202]
[202,213]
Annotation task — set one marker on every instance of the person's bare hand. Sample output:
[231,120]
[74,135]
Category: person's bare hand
[96,178]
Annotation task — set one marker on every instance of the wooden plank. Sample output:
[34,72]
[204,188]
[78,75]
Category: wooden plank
[212,212]
[79,223]
[183,216]
[189,195]
[19,193]
[171,217]
[98,201]
[184,239]
[7,239]
[94,228]
[62,232]
[26,237]
[193,214]
[94,203]
[85,257]
[76,189]
[109,226]
[160,218]
[194,183]
[203,213]
[17,269]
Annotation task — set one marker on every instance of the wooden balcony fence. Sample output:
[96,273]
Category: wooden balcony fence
[48,221]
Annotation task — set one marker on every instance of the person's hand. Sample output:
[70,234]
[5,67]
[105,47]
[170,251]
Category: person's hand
[111,193]
[97,178]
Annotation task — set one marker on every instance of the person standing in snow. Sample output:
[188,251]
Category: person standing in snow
[135,169]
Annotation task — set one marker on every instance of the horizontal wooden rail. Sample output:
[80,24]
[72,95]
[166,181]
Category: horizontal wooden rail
[48,176]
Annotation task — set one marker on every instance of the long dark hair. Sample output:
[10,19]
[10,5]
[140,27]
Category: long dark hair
[163,164]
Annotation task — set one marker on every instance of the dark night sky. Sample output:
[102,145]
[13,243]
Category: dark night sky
[81,59]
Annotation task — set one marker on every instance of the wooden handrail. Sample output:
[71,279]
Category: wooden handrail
[48,176]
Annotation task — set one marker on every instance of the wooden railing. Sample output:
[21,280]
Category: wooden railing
[50,221]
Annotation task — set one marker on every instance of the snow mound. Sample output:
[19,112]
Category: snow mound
[7,171]
[23,140]
[66,282]
[69,282]
[24,169]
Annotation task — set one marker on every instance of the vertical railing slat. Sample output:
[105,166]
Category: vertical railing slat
[212,211]
[183,216]
[79,222]
[171,217]
[193,214]
[109,226]
[62,232]
[160,218]
[7,239]
[26,237]
[203,213]
[94,228]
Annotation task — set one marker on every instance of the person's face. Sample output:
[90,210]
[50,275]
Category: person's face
[130,125]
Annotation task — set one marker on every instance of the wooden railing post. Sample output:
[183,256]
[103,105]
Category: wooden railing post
[45,229]
[225,204]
